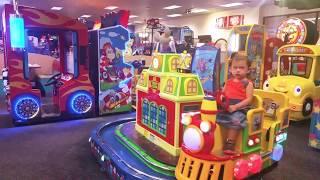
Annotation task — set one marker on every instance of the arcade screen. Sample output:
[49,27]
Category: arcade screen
[296,65]
[204,64]
[238,42]
[242,42]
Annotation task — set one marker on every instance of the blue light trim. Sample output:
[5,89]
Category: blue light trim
[26,107]
[80,102]
[17,33]
[277,152]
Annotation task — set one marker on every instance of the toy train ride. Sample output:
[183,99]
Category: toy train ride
[175,134]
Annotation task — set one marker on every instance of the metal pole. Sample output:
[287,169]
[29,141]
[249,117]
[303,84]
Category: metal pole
[15,7]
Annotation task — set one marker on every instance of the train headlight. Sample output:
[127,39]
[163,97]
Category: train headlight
[205,126]
[250,142]
[193,138]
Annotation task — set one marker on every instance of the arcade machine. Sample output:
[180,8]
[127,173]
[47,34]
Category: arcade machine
[248,40]
[206,64]
[148,148]
[222,44]
[298,76]
[297,67]
[35,43]
[109,73]
[271,57]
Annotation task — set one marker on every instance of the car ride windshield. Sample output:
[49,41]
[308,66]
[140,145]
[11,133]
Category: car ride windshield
[296,66]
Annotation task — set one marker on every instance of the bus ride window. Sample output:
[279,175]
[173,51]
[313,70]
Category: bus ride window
[317,72]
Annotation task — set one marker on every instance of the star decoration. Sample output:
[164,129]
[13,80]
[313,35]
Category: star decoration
[313,143]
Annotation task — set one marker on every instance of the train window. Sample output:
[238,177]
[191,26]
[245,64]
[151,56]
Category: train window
[256,122]
[191,108]
[270,108]
[145,112]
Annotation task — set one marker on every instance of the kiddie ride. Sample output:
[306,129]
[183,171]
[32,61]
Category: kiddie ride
[299,77]
[185,142]
[72,92]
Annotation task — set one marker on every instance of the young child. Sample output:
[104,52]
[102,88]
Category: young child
[239,90]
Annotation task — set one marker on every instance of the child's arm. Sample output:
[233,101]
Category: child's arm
[246,101]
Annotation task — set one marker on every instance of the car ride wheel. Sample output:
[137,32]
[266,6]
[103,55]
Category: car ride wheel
[307,107]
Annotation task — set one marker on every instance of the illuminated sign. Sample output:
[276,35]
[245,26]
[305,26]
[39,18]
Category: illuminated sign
[296,50]
[17,32]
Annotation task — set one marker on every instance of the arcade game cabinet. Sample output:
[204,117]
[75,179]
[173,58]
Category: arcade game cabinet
[206,64]
[271,57]
[248,40]
[110,74]
[46,72]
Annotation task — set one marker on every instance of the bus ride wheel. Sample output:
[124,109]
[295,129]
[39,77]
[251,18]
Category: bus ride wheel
[307,107]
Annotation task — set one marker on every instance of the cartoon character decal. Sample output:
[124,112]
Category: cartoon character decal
[204,64]
[115,75]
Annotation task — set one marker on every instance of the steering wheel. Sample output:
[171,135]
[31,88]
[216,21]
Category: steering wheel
[222,100]
[53,79]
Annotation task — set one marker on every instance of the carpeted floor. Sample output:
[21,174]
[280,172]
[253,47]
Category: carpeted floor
[61,151]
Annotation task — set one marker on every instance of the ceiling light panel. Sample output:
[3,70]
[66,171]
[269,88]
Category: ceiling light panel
[231,4]
[174,15]
[198,10]
[56,8]
[133,16]
[111,7]
[172,7]
[85,16]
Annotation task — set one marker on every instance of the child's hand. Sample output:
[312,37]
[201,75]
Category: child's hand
[232,108]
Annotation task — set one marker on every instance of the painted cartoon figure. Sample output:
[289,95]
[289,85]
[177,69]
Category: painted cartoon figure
[114,99]
[107,59]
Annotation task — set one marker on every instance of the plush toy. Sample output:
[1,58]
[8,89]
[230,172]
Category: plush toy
[128,51]
[164,43]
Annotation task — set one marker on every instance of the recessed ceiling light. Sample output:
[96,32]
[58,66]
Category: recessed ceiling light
[85,16]
[56,8]
[130,24]
[111,7]
[133,16]
[231,4]
[174,15]
[172,7]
